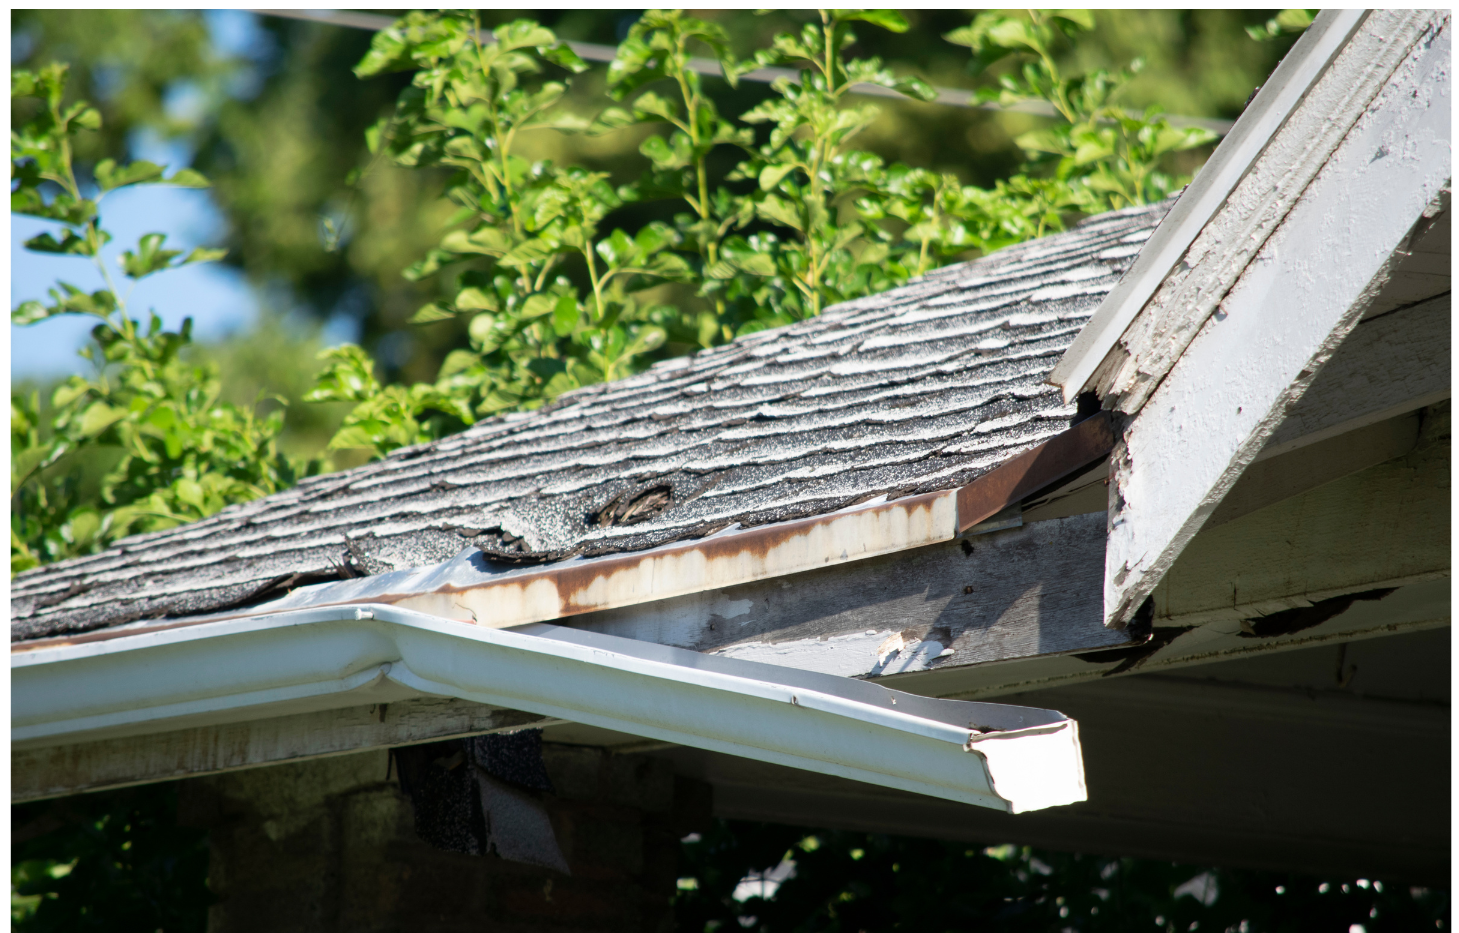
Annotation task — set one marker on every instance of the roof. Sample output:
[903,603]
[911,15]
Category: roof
[918,389]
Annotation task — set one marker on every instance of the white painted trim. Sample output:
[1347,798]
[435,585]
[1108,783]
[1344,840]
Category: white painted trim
[1022,758]
[1294,303]
[1273,104]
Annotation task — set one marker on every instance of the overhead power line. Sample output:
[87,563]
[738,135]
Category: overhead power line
[589,51]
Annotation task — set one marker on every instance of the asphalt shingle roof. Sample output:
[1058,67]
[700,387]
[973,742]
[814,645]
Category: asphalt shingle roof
[921,388]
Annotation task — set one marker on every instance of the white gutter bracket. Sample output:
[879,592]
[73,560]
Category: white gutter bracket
[1004,757]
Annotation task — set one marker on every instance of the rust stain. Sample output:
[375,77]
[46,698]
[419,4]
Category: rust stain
[1090,440]
[711,563]
[769,551]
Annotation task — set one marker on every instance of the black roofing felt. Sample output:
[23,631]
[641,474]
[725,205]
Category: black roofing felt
[921,388]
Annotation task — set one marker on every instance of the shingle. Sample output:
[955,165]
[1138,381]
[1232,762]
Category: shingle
[921,388]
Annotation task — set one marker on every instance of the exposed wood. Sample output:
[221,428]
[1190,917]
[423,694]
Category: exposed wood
[1018,593]
[1279,472]
[58,770]
[1383,526]
[1235,383]
[1087,442]
[1030,594]
[1272,479]
[1388,365]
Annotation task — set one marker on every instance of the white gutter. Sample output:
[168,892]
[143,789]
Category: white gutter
[1004,757]
[1213,184]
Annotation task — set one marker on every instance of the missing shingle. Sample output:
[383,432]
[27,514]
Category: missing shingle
[632,508]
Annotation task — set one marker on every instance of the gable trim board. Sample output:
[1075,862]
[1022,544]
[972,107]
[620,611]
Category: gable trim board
[1283,279]
[1275,101]
[993,755]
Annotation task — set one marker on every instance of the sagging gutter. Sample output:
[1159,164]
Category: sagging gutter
[1005,757]
[469,589]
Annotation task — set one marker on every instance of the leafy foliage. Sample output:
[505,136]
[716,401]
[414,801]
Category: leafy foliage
[173,452]
[116,861]
[1103,158]
[1284,23]
[847,881]
[557,300]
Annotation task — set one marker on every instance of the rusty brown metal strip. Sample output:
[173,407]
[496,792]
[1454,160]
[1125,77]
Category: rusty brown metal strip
[1088,441]
[574,587]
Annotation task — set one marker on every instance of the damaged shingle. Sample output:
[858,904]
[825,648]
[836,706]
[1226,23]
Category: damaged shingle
[922,388]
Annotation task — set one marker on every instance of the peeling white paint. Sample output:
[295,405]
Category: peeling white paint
[1234,384]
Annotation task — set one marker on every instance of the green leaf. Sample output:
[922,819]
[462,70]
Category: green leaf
[109,176]
[70,244]
[28,312]
[1083,19]
[538,305]
[98,417]
[531,251]
[563,56]
[149,256]
[565,316]
[431,313]
[780,211]
[189,491]
[890,20]
[645,340]
[482,331]
[203,254]
[618,249]
[741,255]
[915,88]
[772,175]
[187,178]
[88,118]
[475,299]
[652,105]
[523,33]
[612,118]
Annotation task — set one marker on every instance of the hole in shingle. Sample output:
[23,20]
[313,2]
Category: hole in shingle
[631,508]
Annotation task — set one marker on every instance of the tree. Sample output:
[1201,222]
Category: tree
[798,218]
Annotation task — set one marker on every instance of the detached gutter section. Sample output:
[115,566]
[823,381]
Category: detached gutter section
[1004,757]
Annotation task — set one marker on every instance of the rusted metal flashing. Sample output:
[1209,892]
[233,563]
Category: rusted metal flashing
[469,589]
[574,587]
[1090,440]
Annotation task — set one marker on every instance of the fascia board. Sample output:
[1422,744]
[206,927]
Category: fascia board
[470,589]
[1274,103]
[1291,307]
[1009,758]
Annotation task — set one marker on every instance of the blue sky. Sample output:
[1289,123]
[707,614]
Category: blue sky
[218,298]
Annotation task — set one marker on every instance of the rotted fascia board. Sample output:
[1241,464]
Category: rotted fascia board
[1005,757]
[468,589]
[1302,294]
[1233,158]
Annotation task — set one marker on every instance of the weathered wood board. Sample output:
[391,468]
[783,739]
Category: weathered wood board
[1387,365]
[1386,526]
[1024,592]
[57,770]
